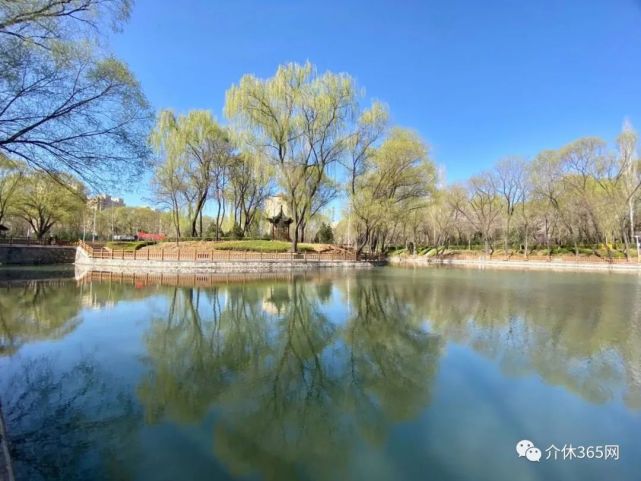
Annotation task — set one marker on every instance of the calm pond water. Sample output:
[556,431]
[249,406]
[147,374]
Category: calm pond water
[431,374]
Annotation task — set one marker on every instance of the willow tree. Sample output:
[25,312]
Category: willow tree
[398,179]
[167,184]
[195,155]
[249,186]
[44,201]
[370,128]
[300,121]
[10,176]
[66,103]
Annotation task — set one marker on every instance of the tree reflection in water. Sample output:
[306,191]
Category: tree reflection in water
[294,390]
[308,377]
[67,426]
[37,310]
[581,331]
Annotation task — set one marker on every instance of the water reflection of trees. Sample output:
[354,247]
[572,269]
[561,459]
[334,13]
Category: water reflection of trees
[36,310]
[67,425]
[581,332]
[293,388]
[297,381]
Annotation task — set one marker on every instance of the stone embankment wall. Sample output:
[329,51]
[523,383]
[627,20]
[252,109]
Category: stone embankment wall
[36,255]
[141,265]
[554,264]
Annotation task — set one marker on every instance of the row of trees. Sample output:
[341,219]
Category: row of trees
[199,162]
[40,204]
[583,195]
[71,114]
[38,201]
[300,132]
[71,110]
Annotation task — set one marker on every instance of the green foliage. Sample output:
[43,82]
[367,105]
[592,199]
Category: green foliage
[301,123]
[68,104]
[325,234]
[196,154]
[237,232]
[128,246]
[253,245]
[44,201]
[396,184]
[260,246]
[10,177]
[397,251]
[212,230]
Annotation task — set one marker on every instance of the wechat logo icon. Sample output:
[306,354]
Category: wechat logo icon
[526,449]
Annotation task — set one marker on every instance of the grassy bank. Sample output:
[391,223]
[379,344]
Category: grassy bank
[241,245]
[127,246]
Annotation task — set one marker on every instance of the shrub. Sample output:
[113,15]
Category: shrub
[128,246]
[237,232]
[325,235]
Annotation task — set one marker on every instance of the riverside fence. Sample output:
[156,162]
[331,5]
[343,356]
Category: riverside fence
[30,241]
[212,255]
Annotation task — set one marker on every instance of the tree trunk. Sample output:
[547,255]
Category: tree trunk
[176,219]
[217,234]
[506,236]
[197,213]
[295,241]
[219,228]
[547,237]
[626,242]
[361,245]
[373,243]
[631,215]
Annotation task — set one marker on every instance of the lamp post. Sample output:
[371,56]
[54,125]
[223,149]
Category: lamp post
[637,236]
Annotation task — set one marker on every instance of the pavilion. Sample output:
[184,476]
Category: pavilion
[280,226]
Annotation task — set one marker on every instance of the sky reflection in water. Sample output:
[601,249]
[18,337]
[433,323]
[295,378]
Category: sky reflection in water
[390,375]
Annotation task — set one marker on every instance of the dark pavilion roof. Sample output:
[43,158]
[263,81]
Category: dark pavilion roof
[280,218]
[3,228]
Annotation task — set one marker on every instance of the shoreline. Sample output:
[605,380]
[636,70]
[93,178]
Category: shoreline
[85,262]
[554,265]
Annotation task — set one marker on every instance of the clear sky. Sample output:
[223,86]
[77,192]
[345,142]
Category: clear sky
[478,79]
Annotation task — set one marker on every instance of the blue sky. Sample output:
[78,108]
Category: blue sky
[479,80]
